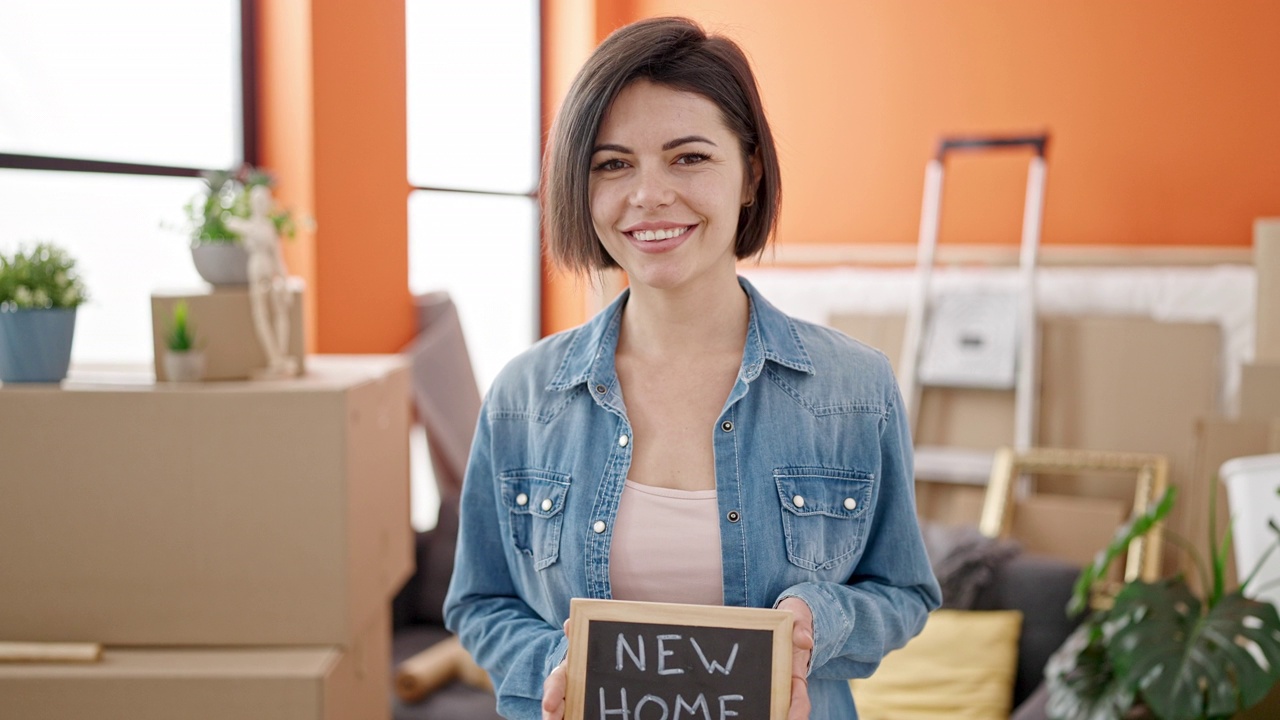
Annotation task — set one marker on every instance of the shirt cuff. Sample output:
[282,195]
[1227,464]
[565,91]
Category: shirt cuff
[830,623]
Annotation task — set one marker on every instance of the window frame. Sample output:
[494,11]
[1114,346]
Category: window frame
[249,130]
[534,193]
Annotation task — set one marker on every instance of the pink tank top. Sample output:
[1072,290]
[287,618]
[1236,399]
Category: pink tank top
[666,546]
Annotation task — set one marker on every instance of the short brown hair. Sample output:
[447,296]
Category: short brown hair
[669,51]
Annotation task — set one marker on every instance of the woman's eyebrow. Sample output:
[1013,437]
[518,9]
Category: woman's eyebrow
[686,139]
[670,144]
[609,146]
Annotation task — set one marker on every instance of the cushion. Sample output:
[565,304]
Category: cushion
[960,667]
[965,561]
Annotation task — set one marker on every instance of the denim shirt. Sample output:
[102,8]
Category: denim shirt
[813,482]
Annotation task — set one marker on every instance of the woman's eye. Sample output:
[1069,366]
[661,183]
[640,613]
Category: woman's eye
[611,164]
[692,158]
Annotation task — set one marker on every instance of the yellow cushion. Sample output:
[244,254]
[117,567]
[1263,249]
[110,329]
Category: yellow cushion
[960,667]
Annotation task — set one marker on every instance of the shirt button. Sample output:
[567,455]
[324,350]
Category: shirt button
[850,503]
[726,426]
[598,527]
[623,440]
[797,501]
[522,499]
[734,516]
[546,504]
[600,389]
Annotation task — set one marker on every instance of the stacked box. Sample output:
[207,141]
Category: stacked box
[222,320]
[212,518]
[233,683]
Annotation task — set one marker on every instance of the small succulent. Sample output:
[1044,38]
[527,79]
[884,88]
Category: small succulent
[181,336]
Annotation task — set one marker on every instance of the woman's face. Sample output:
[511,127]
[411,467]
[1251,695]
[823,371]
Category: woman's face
[667,184]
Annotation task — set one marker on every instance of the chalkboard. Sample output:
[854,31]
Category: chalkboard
[664,661]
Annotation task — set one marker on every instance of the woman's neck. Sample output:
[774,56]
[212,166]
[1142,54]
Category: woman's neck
[707,318]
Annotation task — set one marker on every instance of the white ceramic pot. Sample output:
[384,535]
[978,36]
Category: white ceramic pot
[221,263]
[186,366]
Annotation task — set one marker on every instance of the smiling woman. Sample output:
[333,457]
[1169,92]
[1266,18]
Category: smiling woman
[668,182]
[690,442]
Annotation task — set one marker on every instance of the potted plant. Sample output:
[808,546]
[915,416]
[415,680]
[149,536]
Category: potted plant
[1159,651]
[183,361]
[216,249]
[39,294]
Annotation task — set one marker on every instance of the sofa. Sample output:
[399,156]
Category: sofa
[1038,587]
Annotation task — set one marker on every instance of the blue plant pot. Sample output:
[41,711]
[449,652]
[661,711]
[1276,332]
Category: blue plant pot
[35,345]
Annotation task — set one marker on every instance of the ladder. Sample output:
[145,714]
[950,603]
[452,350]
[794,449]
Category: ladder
[954,464]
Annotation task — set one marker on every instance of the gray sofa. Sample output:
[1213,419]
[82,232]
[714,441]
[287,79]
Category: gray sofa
[1039,587]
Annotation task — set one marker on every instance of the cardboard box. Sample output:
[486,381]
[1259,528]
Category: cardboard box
[1117,383]
[1260,391]
[314,683]
[1217,441]
[1070,528]
[1266,261]
[268,513]
[223,324]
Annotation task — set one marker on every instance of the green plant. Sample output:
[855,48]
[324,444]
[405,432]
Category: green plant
[181,336]
[226,194]
[39,278]
[1161,650]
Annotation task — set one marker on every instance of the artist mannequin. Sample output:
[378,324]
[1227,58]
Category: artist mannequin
[268,283]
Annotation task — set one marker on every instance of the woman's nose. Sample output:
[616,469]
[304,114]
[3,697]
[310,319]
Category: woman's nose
[652,189]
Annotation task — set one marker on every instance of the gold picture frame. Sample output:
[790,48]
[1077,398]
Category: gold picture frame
[1151,472]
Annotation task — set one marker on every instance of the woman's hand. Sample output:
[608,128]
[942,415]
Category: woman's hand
[554,687]
[801,650]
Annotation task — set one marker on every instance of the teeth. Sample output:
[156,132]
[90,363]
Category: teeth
[652,235]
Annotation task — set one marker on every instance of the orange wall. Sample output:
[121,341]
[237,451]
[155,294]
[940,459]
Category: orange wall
[362,179]
[333,125]
[286,132]
[1163,117]
[569,33]
[1164,113]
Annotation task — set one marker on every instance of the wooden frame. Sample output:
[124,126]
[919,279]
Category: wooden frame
[1152,472]
[584,612]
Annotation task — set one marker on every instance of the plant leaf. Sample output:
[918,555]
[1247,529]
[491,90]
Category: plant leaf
[1220,556]
[1187,665]
[1136,527]
[1082,683]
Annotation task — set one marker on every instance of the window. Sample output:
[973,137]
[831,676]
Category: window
[109,112]
[474,129]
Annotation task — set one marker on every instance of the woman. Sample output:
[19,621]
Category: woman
[690,443]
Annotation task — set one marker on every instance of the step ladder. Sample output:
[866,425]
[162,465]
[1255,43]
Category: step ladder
[959,465]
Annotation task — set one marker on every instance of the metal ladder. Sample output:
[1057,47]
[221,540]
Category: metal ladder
[955,464]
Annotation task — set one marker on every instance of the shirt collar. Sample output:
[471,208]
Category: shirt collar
[771,335]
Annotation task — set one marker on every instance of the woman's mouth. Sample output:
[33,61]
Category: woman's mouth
[657,235]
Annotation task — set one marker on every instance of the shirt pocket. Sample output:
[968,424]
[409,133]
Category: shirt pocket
[824,513]
[535,501]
